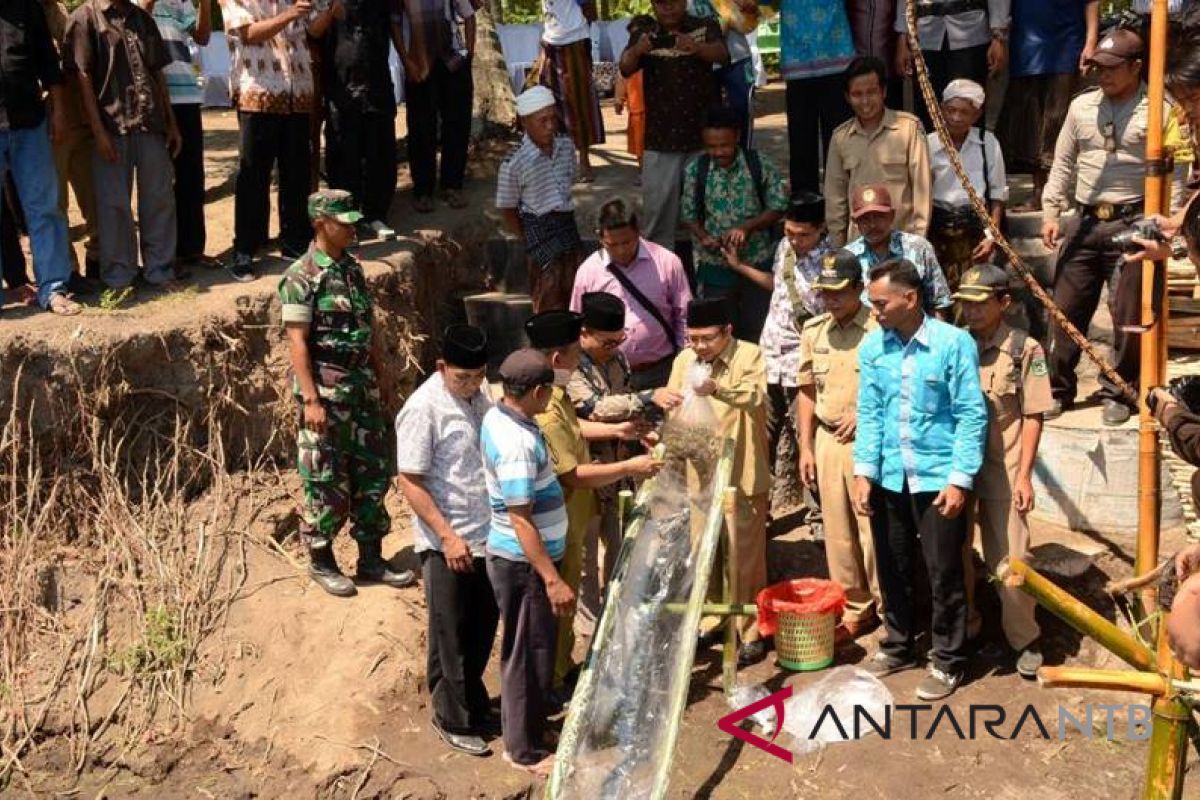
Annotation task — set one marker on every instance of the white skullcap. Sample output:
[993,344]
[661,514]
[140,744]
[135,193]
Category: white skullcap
[964,89]
[533,100]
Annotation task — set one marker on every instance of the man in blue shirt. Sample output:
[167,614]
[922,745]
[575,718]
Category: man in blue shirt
[525,546]
[922,426]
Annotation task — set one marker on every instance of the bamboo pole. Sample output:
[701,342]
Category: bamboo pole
[728,537]
[1111,679]
[1077,614]
[1168,733]
[716,609]
[1151,372]
[691,621]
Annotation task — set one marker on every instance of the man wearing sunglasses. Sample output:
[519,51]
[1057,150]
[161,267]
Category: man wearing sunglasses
[1103,141]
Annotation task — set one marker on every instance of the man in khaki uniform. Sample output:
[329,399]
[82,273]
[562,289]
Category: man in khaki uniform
[1103,144]
[600,391]
[738,388]
[556,333]
[878,146]
[828,377]
[1014,377]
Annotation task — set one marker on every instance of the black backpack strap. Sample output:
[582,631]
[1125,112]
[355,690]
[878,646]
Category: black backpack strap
[754,162]
[645,303]
[703,164]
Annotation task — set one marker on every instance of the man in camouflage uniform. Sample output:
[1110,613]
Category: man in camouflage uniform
[342,460]
[601,392]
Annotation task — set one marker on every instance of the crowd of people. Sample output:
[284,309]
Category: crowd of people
[851,306]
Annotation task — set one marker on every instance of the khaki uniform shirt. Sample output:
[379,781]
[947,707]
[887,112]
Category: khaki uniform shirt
[1101,176]
[829,361]
[568,450]
[895,154]
[740,404]
[1013,391]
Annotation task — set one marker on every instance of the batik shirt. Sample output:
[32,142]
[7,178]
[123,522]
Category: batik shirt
[730,200]
[919,251]
[332,298]
[780,341]
[273,76]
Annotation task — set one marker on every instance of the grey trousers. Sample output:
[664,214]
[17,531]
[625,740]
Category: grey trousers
[142,157]
[662,181]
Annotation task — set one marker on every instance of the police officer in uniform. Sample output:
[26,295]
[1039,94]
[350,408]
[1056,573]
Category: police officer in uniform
[1015,381]
[1103,141]
[329,319]
[827,415]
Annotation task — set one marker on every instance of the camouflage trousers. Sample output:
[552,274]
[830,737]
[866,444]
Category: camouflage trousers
[345,474]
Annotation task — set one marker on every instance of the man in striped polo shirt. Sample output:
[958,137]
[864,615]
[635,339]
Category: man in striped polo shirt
[525,546]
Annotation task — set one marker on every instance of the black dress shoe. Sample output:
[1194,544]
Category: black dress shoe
[467,743]
[380,572]
[751,653]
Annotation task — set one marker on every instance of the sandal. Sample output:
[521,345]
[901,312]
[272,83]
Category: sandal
[63,305]
[541,769]
[24,295]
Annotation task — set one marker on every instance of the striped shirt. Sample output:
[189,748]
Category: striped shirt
[535,183]
[517,471]
[176,20]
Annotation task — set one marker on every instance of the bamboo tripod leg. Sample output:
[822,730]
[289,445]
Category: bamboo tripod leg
[729,592]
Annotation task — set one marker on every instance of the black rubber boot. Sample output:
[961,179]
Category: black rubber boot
[373,569]
[323,569]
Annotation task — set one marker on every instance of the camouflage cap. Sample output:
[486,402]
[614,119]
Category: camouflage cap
[980,283]
[336,203]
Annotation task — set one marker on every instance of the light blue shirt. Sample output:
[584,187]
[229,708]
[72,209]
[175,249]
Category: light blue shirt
[814,39]
[920,252]
[517,471]
[922,417]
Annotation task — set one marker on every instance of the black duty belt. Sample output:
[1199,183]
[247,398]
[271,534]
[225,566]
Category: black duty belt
[1107,211]
[930,9]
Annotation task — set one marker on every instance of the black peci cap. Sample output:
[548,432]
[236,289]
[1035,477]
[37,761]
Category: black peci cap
[464,346]
[603,311]
[556,328]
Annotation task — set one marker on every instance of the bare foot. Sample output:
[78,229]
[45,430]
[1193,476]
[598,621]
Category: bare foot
[541,769]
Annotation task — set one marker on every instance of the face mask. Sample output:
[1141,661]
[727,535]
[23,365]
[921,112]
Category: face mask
[562,377]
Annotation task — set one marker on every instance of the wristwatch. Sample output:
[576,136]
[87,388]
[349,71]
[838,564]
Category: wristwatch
[1000,34]
[1179,248]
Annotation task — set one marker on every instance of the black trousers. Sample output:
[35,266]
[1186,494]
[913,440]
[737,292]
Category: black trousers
[267,140]
[462,626]
[906,526]
[1086,261]
[439,113]
[781,422]
[527,651]
[815,106]
[189,182]
[946,65]
[360,156]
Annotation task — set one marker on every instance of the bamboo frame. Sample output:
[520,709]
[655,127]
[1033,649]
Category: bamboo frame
[631,519]
[1110,679]
[729,591]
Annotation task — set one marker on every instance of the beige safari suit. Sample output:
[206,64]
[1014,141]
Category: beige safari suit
[896,154]
[740,404]
[1013,393]
[568,450]
[829,362]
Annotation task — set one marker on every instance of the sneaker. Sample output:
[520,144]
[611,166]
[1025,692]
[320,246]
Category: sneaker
[937,685]
[467,743]
[381,230]
[241,267]
[379,572]
[1029,662]
[883,664]
[1115,413]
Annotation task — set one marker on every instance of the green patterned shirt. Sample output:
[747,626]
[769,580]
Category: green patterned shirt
[332,298]
[731,199]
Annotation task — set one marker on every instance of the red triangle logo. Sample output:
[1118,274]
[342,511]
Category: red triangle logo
[728,724]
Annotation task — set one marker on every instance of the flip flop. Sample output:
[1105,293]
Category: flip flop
[64,306]
[541,769]
[24,295]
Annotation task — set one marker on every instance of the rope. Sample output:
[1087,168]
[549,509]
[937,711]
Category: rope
[939,124]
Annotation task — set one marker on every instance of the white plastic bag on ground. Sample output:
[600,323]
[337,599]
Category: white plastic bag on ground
[842,690]
[744,695]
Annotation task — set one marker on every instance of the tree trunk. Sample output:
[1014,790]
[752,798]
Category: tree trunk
[495,104]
